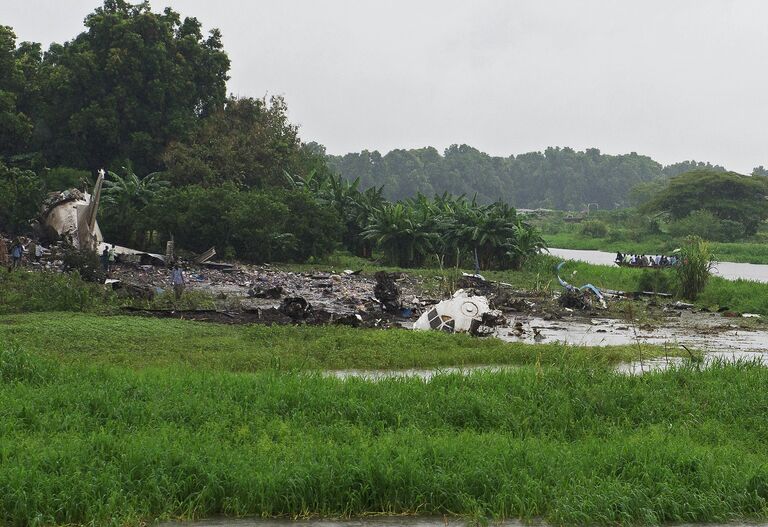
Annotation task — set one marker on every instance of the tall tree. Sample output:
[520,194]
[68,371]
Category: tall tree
[727,195]
[128,85]
[15,125]
[248,142]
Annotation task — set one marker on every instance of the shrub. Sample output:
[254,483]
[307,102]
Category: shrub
[25,292]
[594,229]
[85,262]
[704,224]
[657,281]
[695,268]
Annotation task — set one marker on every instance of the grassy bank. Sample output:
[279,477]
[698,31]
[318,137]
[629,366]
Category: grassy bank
[746,252]
[139,342]
[115,445]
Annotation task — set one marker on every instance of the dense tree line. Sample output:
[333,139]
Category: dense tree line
[741,201]
[558,178]
[143,94]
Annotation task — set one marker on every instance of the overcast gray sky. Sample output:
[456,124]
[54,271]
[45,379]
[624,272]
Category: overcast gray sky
[682,79]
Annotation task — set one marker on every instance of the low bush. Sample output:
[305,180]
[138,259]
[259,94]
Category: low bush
[86,263]
[704,224]
[47,291]
[657,280]
[594,229]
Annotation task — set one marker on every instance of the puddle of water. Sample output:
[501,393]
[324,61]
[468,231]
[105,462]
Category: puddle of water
[424,374]
[662,363]
[695,331]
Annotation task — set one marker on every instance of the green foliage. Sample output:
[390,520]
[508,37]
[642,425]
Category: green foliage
[727,195]
[125,199]
[656,280]
[594,229]
[558,178]
[124,88]
[249,142]
[741,296]
[84,262]
[695,268]
[706,225]
[15,125]
[27,292]
[397,231]
[21,192]
[60,178]
[257,225]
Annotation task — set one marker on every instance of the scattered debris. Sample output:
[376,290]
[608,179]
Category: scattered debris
[387,292]
[296,307]
[268,292]
[463,313]
[578,297]
[207,255]
[127,255]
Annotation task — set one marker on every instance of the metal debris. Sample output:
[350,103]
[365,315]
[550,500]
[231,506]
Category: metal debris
[462,313]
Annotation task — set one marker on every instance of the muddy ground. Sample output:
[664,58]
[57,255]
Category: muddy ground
[268,294]
[255,294]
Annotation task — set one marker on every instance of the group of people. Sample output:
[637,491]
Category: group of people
[641,260]
[15,254]
[107,258]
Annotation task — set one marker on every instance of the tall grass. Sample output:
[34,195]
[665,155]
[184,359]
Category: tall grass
[569,444]
[696,267]
[139,342]
[44,291]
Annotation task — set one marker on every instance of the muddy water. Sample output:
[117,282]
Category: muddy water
[716,336]
[729,270]
[708,332]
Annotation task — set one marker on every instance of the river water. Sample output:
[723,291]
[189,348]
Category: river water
[729,270]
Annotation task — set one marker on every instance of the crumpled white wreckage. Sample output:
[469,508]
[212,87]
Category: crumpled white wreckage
[461,313]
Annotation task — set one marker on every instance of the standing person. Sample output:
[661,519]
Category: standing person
[17,251]
[178,281]
[111,257]
[38,252]
[105,259]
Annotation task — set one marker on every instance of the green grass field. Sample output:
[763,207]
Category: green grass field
[138,342]
[120,421]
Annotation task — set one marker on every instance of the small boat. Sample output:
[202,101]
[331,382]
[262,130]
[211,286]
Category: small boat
[646,266]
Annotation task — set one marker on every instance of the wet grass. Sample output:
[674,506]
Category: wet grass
[23,292]
[570,444]
[139,342]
